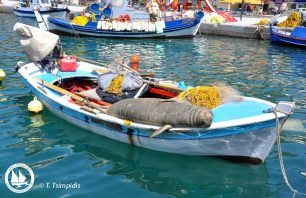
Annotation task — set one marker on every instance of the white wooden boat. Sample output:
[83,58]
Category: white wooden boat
[245,128]
[43,6]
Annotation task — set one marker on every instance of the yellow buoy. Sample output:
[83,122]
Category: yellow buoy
[2,75]
[35,105]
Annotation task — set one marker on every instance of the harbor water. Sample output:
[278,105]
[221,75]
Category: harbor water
[60,153]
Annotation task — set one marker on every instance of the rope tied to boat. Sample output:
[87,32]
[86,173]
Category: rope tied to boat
[280,156]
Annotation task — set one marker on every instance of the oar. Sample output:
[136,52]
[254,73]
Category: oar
[164,86]
[91,61]
[104,70]
[107,65]
[156,84]
[73,96]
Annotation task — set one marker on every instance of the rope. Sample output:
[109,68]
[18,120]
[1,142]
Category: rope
[280,156]
[258,33]
[75,33]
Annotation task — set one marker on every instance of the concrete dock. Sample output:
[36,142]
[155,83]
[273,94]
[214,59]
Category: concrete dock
[243,29]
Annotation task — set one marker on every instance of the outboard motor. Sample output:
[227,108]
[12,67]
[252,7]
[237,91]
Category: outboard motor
[41,47]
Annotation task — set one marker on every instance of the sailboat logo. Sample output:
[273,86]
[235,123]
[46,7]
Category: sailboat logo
[19,178]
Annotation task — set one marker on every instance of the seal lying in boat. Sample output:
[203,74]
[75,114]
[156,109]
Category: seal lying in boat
[162,112]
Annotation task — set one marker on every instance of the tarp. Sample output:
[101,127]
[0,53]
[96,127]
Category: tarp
[227,16]
[255,2]
[299,32]
[36,43]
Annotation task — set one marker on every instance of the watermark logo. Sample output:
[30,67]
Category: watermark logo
[19,178]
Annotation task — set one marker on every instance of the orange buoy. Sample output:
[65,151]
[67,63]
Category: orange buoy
[134,62]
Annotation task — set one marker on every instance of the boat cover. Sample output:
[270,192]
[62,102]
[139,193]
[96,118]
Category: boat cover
[36,43]
[299,32]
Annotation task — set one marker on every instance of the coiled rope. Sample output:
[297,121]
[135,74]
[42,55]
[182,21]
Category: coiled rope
[280,156]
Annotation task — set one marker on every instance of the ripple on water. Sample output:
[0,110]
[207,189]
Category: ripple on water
[61,152]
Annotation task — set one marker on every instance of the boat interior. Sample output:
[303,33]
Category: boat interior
[85,84]
[87,87]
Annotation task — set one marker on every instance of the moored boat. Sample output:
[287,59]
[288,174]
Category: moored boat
[26,9]
[243,128]
[296,37]
[132,25]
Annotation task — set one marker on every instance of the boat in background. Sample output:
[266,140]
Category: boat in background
[296,37]
[50,7]
[187,27]
[121,20]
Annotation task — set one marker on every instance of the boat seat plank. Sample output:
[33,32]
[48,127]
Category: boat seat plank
[48,77]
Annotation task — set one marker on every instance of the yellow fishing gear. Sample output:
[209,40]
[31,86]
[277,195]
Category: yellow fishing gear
[2,75]
[115,86]
[292,21]
[263,22]
[80,20]
[207,96]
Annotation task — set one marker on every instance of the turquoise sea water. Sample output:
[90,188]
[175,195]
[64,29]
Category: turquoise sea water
[60,152]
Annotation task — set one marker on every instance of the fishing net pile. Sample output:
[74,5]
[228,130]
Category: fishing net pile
[209,96]
[80,20]
[292,21]
[118,80]
[263,22]
[219,17]
[115,87]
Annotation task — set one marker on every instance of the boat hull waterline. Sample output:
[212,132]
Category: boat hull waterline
[60,26]
[29,12]
[251,137]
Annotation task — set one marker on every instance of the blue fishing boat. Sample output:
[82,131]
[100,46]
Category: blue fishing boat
[295,37]
[247,127]
[142,28]
[27,8]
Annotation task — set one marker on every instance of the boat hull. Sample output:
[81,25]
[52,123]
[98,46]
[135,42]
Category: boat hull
[254,140]
[282,38]
[29,12]
[59,26]
[255,145]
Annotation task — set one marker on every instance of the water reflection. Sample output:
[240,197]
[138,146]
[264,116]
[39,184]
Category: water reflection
[152,171]
[64,153]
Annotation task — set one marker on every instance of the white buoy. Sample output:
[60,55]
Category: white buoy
[2,75]
[35,105]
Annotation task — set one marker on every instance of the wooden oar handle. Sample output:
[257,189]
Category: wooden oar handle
[164,86]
